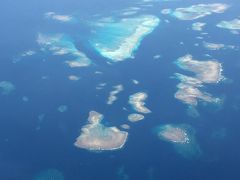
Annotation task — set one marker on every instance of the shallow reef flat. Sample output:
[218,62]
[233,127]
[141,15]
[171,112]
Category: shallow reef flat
[59,17]
[113,94]
[208,71]
[60,44]
[97,137]
[6,87]
[137,101]
[232,24]
[117,39]
[189,91]
[62,108]
[218,46]
[198,26]
[182,136]
[135,117]
[199,10]
[173,134]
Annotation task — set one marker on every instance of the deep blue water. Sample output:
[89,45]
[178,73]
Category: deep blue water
[29,146]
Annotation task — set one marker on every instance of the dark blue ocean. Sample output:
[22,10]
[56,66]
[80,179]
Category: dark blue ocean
[36,138]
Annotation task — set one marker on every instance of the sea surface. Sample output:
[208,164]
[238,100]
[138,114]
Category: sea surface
[46,101]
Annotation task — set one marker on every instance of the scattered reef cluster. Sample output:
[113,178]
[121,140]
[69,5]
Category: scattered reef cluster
[117,38]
